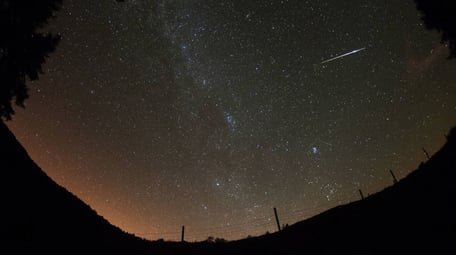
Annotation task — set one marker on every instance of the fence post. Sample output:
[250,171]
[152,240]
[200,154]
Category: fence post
[277,218]
[361,194]
[394,177]
[426,153]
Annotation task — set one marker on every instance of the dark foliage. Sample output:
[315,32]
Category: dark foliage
[23,49]
[416,215]
[441,16]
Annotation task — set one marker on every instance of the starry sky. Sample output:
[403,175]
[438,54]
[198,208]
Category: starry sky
[210,113]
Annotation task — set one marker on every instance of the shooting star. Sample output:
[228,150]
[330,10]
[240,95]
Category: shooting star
[343,55]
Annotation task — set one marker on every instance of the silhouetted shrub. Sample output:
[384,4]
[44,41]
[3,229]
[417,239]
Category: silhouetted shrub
[23,49]
[441,16]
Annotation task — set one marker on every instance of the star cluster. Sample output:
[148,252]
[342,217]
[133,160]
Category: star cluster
[210,113]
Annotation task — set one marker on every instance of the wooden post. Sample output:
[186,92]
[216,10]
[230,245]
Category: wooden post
[183,231]
[277,218]
[361,194]
[426,153]
[394,177]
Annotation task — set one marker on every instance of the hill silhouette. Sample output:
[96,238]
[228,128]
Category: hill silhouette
[39,216]
[414,216]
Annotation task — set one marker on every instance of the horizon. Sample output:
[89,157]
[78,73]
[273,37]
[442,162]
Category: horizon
[210,114]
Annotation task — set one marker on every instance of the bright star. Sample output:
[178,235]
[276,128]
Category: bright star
[231,121]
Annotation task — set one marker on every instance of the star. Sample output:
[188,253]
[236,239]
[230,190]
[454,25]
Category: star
[198,106]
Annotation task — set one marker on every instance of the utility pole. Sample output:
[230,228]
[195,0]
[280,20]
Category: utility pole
[182,235]
[277,218]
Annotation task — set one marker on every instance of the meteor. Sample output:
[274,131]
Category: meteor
[343,55]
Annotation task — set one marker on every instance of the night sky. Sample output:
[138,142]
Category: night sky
[210,113]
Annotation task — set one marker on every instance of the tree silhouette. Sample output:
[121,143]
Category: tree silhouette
[441,16]
[23,49]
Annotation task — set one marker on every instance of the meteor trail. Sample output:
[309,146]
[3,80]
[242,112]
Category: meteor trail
[343,55]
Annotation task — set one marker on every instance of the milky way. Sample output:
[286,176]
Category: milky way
[209,114]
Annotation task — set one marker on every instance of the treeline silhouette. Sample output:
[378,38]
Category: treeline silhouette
[440,15]
[414,216]
[23,49]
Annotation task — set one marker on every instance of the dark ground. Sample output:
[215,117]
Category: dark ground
[414,216]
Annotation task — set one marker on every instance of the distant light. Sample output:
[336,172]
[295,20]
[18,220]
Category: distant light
[314,150]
